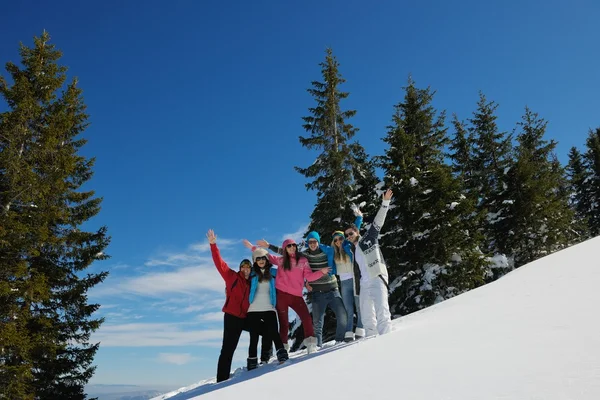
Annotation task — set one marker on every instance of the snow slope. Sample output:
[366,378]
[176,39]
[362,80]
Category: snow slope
[533,334]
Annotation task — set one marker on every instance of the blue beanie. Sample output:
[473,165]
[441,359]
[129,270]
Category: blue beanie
[313,235]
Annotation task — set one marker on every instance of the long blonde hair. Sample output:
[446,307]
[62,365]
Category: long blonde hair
[338,252]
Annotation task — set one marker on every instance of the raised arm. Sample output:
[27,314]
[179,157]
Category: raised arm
[275,260]
[221,265]
[381,214]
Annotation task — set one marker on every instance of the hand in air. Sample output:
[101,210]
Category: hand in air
[247,244]
[212,238]
[262,243]
[388,194]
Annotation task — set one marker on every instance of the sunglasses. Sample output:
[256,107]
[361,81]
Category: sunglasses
[245,266]
[312,242]
[350,234]
[264,258]
[291,245]
[338,239]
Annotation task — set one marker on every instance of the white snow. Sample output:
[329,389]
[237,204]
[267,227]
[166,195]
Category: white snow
[414,181]
[532,334]
[453,205]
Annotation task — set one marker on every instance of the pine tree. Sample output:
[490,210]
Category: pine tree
[536,214]
[426,245]
[366,195]
[491,160]
[579,196]
[46,319]
[330,132]
[592,163]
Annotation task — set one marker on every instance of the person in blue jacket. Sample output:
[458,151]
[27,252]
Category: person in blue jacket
[262,316]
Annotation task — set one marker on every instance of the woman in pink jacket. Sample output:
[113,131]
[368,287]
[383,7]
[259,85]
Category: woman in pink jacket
[293,270]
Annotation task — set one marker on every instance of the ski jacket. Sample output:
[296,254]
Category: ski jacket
[254,286]
[292,281]
[369,245]
[237,287]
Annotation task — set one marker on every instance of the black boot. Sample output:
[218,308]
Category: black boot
[282,355]
[252,363]
[265,356]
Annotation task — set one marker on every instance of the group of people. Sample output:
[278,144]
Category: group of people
[260,293]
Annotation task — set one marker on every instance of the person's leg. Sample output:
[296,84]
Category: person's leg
[232,329]
[283,303]
[337,306]
[319,304]
[270,318]
[254,325]
[266,347]
[299,306]
[367,309]
[382,307]
[347,294]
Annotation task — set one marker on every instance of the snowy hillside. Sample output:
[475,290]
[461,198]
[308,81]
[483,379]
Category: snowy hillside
[533,334]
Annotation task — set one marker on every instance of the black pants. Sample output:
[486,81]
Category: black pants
[263,323]
[232,330]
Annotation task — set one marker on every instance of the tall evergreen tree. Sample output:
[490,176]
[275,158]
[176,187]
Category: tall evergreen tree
[365,195]
[426,246]
[579,196]
[46,318]
[537,216]
[592,162]
[491,160]
[330,132]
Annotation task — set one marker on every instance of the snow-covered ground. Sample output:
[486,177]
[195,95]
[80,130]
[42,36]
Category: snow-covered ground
[533,334]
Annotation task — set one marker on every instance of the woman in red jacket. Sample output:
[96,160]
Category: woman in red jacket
[237,289]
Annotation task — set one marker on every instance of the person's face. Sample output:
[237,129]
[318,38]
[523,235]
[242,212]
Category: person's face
[245,268]
[337,241]
[313,244]
[291,248]
[261,261]
[351,235]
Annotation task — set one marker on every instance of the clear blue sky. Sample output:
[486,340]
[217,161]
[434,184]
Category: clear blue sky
[195,111]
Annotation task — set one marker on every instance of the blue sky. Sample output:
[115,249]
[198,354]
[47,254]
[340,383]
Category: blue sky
[195,111]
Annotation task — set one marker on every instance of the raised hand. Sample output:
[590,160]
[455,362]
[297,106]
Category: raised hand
[262,243]
[212,238]
[388,194]
[247,244]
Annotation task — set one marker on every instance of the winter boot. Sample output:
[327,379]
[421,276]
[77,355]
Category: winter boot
[282,355]
[252,363]
[349,336]
[360,333]
[265,356]
[311,344]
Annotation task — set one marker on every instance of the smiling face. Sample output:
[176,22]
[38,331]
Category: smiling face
[291,249]
[351,235]
[313,244]
[337,241]
[261,261]
[245,268]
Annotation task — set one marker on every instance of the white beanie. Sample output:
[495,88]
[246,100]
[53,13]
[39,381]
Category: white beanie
[260,252]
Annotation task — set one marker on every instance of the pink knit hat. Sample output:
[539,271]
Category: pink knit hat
[288,241]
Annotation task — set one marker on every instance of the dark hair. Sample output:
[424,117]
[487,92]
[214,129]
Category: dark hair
[287,265]
[267,274]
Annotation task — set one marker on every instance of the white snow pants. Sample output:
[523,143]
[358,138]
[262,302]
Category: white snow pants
[374,307]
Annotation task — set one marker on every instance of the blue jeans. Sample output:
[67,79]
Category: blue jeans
[349,299]
[320,301]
